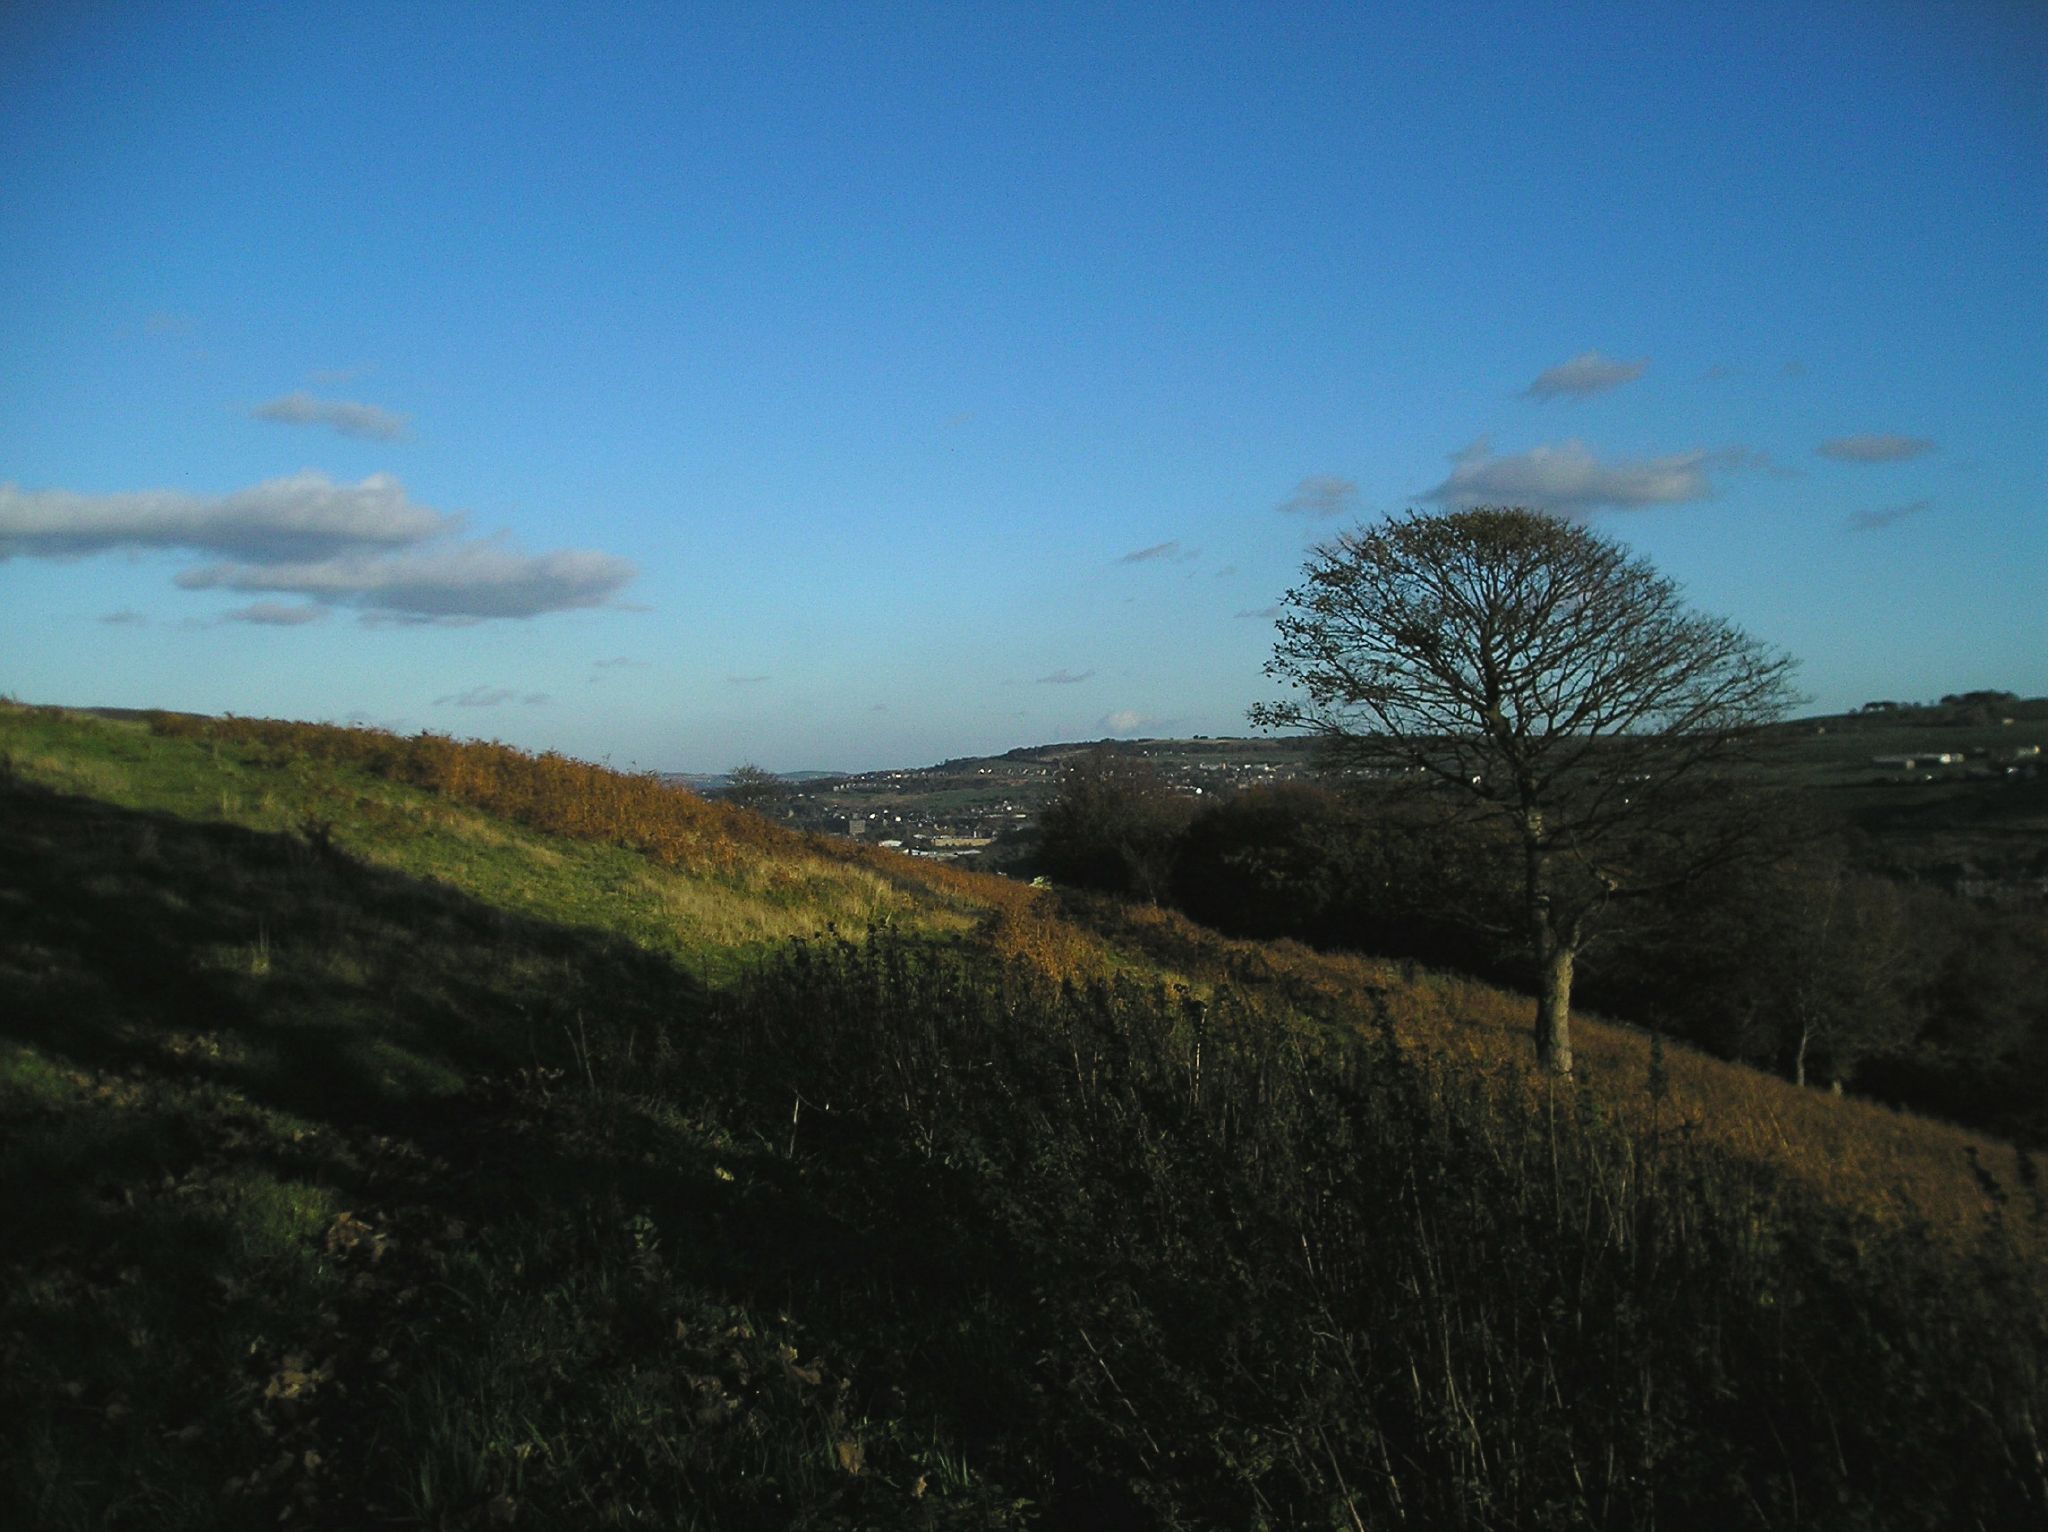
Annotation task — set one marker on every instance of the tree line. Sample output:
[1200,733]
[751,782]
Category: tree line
[1800,960]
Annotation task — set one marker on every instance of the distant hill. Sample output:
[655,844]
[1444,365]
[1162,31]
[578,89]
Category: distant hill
[412,1132]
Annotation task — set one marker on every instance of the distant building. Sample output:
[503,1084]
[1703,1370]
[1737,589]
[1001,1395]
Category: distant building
[1917,762]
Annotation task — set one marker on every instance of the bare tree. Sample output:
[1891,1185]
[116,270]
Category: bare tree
[1844,952]
[1552,681]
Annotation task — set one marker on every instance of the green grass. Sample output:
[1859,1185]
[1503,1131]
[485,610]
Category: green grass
[713,920]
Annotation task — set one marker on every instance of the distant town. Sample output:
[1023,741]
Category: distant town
[975,808]
[1950,790]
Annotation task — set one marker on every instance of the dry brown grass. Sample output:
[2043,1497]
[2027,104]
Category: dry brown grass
[1896,1168]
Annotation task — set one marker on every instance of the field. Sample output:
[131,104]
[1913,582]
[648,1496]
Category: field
[406,1133]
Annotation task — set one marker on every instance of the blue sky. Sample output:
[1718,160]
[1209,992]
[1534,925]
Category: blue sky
[853,385]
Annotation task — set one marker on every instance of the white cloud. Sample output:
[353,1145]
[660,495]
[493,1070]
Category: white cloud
[1125,722]
[1569,480]
[1874,521]
[303,516]
[275,614]
[1321,494]
[362,545]
[1584,375]
[1065,678]
[342,416]
[1875,449]
[455,580]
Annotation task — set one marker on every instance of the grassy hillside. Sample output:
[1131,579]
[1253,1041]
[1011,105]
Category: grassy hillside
[406,1133]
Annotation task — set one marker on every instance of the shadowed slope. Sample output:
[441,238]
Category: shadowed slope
[377,1157]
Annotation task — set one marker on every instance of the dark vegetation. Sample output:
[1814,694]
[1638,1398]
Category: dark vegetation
[345,1190]
[1814,958]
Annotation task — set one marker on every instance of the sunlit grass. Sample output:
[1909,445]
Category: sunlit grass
[1902,1168]
[708,904]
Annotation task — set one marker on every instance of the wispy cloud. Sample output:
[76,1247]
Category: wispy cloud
[1875,448]
[364,545]
[492,696]
[1263,614]
[127,617]
[1569,479]
[275,614]
[1754,459]
[165,322]
[1167,550]
[746,680]
[601,669]
[1875,521]
[1320,495]
[1584,375]
[1065,678]
[342,416]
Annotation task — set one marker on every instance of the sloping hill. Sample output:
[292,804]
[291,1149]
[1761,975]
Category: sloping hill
[405,1132]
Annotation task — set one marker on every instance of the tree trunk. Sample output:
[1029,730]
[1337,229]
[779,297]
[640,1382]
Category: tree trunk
[1554,954]
[1554,1009]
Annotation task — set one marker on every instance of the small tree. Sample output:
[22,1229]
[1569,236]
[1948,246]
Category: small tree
[1845,974]
[1551,681]
[754,787]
